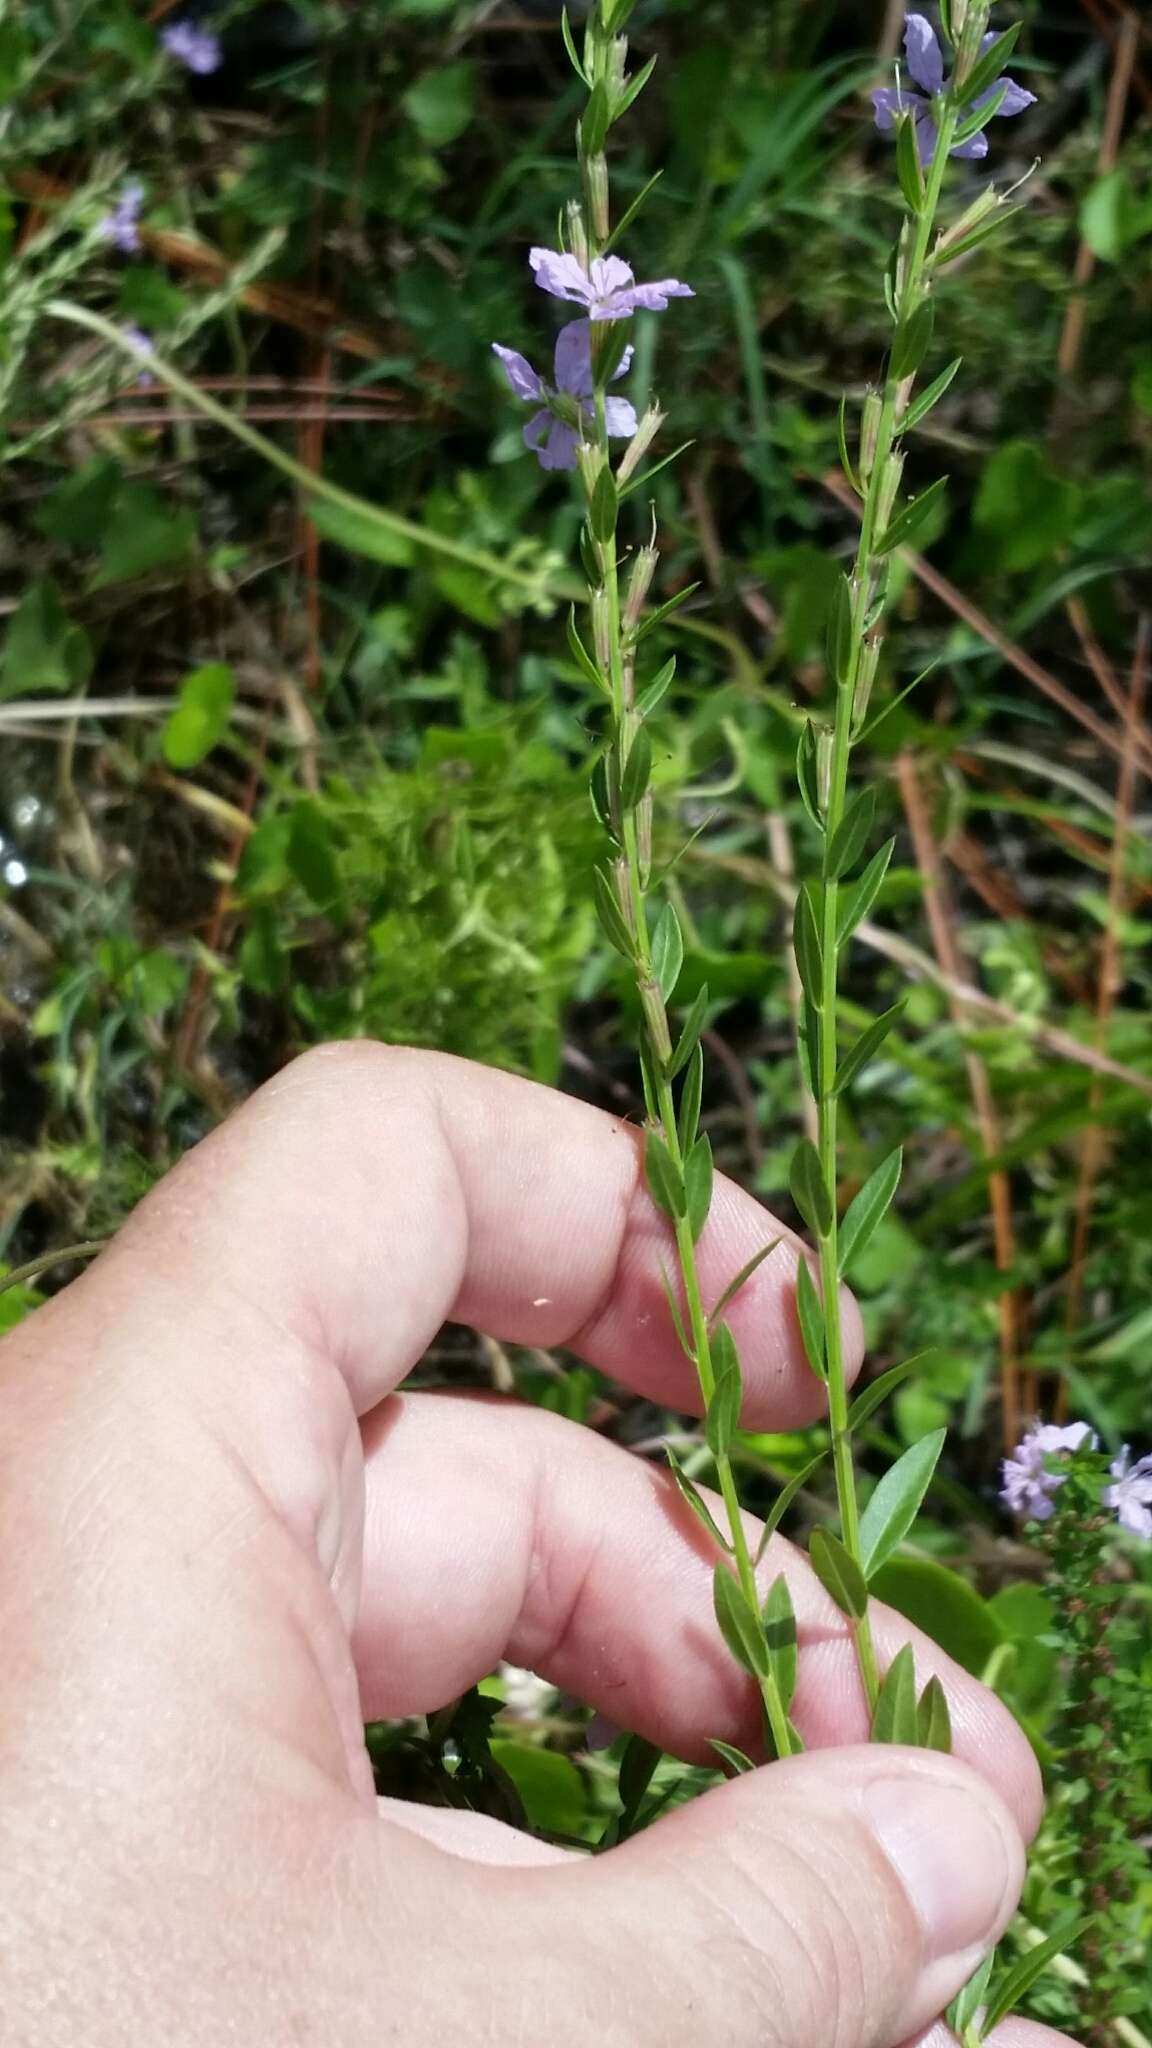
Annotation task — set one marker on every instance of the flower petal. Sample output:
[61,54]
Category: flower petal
[519,372]
[561,275]
[608,276]
[924,55]
[1015,99]
[559,451]
[890,101]
[655,296]
[976,145]
[926,138]
[620,418]
[573,359]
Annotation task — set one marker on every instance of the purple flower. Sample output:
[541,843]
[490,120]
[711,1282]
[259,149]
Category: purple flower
[607,289]
[552,438]
[122,224]
[1029,1483]
[147,347]
[196,48]
[926,65]
[1132,1494]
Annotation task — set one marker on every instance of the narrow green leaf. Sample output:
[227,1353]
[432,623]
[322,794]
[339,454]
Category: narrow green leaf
[809,1190]
[810,1046]
[838,1573]
[933,1721]
[989,66]
[569,45]
[866,1047]
[581,656]
[654,692]
[742,1278]
[667,951]
[982,232]
[602,511]
[637,770]
[723,1417]
[630,212]
[688,1120]
[677,1319]
[611,916]
[913,340]
[869,1208]
[908,167]
[806,944]
[878,1390]
[846,462]
[851,836]
[634,88]
[922,406]
[690,1031]
[698,1185]
[785,1498]
[696,1501]
[964,2008]
[913,519]
[978,117]
[810,1315]
[664,1182]
[806,773]
[672,604]
[740,1625]
[1021,1978]
[637,1769]
[780,1635]
[732,1756]
[595,121]
[894,1715]
[896,1502]
[841,639]
[858,902]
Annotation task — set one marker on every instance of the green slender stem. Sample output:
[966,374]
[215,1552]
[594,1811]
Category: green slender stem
[863,593]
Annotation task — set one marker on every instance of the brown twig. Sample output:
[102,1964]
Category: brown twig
[1109,983]
[939,914]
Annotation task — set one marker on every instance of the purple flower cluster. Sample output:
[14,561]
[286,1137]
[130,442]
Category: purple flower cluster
[925,60]
[122,224]
[1032,1477]
[198,49]
[608,291]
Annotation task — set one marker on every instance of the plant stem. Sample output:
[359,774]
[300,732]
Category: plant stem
[864,587]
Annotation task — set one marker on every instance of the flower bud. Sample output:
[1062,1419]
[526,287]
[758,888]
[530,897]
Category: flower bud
[643,820]
[640,443]
[590,461]
[577,233]
[617,58]
[639,584]
[886,495]
[596,186]
[601,632]
[866,676]
[825,741]
[656,1019]
[971,218]
[869,433]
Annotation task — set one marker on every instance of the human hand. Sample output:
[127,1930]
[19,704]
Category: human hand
[224,1541]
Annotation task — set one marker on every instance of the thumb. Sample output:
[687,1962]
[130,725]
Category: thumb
[837,1900]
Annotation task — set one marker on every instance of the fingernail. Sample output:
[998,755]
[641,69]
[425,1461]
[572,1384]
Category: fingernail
[960,1860]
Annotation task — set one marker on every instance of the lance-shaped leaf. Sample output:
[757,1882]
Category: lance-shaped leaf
[740,1625]
[688,1121]
[913,340]
[595,121]
[877,1391]
[667,951]
[690,1493]
[865,1049]
[869,1208]
[637,1770]
[809,1189]
[581,656]
[933,1721]
[859,900]
[723,1417]
[735,1758]
[806,942]
[967,2004]
[908,169]
[602,510]
[611,916]
[851,836]
[846,462]
[636,772]
[654,692]
[569,45]
[665,1182]
[841,636]
[698,1185]
[1012,1987]
[677,1319]
[838,1573]
[672,604]
[894,1715]
[690,1031]
[806,773]
[741,1279]
[922,406]
[780,1635]
[988,67]
[810,1315]
[896,1502]
[914,519]
[785,1498]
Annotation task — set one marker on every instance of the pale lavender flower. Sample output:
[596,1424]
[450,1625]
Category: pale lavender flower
[554,439]
[1132,1494]
[607,289]
[1028,1483]
[122,224]
[147,347]
[926,65]
[198,49]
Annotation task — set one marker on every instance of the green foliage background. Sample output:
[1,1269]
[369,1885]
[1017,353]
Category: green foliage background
[259,788]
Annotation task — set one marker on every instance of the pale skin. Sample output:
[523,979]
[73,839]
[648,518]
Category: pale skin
[225,1540]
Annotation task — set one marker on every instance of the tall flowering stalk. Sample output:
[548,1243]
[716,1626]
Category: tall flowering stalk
[944,119]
